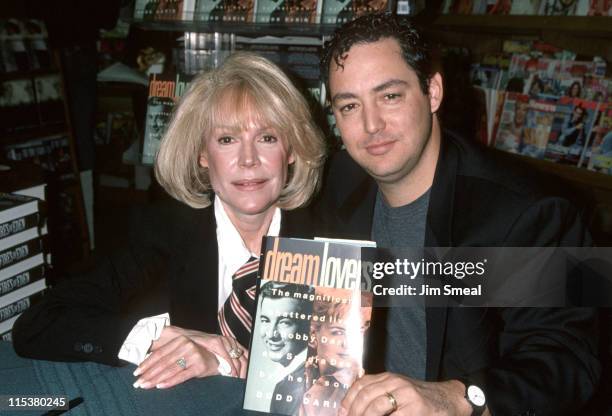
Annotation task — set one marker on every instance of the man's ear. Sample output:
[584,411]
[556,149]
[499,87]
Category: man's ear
[203,159]
[436,92]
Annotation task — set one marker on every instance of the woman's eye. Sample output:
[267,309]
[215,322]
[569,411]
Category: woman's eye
[268,138]
[225,140]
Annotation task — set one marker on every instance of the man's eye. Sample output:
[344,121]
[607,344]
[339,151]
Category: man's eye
[225,140]
[268,138]
[347,108]
[392,96]
[264,319]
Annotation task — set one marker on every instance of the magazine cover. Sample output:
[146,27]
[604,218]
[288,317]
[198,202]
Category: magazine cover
[311,317]
[164,92]
[571,126]
[558,7]
[600,157]
[594,8]
[528,7]
[540,115]
[512,122]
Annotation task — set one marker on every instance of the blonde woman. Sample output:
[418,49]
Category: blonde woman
[240,156]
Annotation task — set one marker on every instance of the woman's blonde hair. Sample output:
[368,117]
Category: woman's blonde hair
[256,88]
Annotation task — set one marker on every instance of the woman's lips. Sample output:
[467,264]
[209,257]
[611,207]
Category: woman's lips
[249,184]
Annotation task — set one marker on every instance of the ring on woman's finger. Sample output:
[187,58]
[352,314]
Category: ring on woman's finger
[392,402]
[181,362]
[235,353]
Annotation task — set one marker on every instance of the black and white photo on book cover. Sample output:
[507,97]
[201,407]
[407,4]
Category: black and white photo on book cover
[307,343]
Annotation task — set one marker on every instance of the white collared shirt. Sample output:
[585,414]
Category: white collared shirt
[233,253]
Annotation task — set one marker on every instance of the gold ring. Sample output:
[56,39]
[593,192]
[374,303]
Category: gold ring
[235,353]
[181,362]
[392,402]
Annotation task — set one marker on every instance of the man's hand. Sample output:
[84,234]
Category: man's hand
[368,396]
[198,349]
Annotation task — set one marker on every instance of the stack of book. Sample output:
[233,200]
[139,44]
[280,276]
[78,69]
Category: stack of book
[23,46]
[22,263]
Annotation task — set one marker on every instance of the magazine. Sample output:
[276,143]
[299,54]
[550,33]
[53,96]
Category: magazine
[600,152]
[311,317]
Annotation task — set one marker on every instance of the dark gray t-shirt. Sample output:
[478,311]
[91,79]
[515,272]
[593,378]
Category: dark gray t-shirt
[406,341]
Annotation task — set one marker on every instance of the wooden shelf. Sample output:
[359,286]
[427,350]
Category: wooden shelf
[33,133]
[581,176]
[245,29]
[9,76]
[577,25]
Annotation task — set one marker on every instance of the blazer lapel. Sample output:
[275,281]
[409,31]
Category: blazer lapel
[439,234]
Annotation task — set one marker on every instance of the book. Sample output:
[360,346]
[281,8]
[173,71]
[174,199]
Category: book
[594,8]
[17,307]
[24,277]
[164,9]
[208,11]
[18,225]
[18,247]
[309,326]
[238,11]
[288,11]
[18,106]
[15,207]
[48,90]
[164,92]
[23,292]
[342,11]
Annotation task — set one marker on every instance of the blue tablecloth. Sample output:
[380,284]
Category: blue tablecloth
[108,390]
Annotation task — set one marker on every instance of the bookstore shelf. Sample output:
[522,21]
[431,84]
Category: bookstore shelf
[9,76]
[32,133]
[245,29]
[596,26]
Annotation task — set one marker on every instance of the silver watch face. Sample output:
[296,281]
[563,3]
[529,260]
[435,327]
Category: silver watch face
[476,395]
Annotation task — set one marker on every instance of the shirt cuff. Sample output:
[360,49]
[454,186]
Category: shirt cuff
[139,340]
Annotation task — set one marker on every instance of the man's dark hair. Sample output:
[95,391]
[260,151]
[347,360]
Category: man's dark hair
[280,288]
[372,28]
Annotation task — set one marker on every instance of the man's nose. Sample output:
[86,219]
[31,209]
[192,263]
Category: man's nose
[373,122]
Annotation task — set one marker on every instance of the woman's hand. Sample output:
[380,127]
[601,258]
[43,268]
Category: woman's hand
[160,369]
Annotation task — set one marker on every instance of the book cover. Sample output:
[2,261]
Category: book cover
[342,11]
[594,8]
[311,317]
[15,207]
[238,11]
[288,11]
[164,93]
[208,10]
[48,90]
[572,123]
[18,108]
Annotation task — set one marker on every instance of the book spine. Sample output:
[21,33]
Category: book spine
[17,253]
[18,225]
[9,311]
[21,279]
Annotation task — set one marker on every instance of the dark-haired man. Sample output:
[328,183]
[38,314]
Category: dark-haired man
[415,185]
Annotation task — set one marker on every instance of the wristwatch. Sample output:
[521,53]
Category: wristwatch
[475,396]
